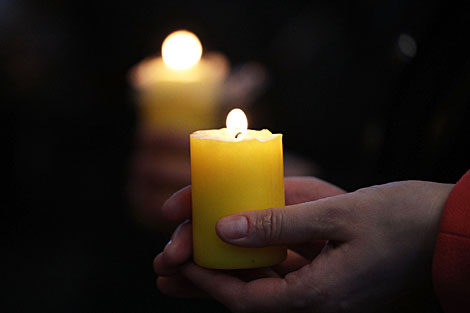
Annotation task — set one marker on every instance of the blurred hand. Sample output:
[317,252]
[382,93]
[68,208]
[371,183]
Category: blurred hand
[380,246]
[160,167]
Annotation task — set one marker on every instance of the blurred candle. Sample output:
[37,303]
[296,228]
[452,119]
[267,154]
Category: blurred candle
[234,169]
[179,91]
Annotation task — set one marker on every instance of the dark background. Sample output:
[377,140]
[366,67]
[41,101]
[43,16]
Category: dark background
[342,90]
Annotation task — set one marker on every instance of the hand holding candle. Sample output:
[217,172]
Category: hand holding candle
[381,242]
[171,264]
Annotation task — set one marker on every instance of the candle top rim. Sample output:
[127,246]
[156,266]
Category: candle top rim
[226,135]
[213,67]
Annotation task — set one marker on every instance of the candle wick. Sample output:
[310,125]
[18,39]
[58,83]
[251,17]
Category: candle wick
[239,133]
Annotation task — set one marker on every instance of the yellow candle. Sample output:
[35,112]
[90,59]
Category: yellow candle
[234,169]
[179,91]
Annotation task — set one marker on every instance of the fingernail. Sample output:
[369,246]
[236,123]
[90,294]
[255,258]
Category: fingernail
[168,246]
[233,227]
[176,232]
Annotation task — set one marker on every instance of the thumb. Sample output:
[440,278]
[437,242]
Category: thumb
[326,219]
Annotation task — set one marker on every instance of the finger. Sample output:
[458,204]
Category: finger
[162,268]
[178,206]
[176,252]
[293,262]
[327,218]
[180,247]
[262,295]
[305,189]
[179,286]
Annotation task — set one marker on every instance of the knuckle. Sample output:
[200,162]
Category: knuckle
[269,224]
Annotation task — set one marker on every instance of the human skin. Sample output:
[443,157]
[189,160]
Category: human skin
[380,247]
[160,166]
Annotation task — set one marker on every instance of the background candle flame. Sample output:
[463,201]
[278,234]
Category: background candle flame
[181,50]
[237,121]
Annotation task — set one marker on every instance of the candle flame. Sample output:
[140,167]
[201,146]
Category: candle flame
[237,122]
[181,50]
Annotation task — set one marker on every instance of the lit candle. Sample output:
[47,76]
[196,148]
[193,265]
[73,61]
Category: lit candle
[180,90]
[234,169]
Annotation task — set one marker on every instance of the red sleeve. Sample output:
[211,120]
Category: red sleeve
[451,264]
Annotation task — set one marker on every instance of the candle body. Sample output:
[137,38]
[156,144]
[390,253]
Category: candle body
[230,177]
[179,101]
[180,106]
